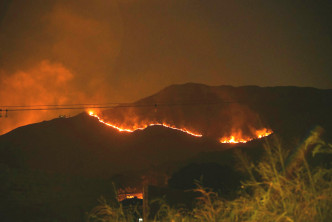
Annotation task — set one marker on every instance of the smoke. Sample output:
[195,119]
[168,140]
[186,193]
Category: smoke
[121,51]
[57,52]
[47,83]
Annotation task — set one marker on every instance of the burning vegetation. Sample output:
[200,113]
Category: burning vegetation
[235,137]
[238,137]
[279,187]
[143,126]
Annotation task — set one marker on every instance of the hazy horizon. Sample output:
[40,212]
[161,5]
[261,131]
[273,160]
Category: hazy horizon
[65,51]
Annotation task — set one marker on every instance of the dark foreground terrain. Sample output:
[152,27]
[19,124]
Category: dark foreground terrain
[56,170]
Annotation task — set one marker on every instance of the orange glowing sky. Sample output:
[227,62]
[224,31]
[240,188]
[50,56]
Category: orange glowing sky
[83,51]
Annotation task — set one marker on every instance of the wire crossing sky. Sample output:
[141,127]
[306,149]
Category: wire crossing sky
[104,106]
[83,51]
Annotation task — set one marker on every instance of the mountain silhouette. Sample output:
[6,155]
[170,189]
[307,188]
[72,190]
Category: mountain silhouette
[217,111]
[82,145]
[80,154]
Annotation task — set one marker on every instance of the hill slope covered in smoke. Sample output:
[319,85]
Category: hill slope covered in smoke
[217,111]
[81,154]
[82,145]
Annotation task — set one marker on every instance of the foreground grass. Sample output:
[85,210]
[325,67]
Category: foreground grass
[282,187]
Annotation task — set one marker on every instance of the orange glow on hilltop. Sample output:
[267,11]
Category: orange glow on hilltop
[143,126]
[129,193]
[235,137]
[125,196]
[232,139]
[239,138]
[263,133]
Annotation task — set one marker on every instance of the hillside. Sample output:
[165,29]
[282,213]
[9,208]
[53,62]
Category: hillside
[77,156]
[82,146]
[57,169]
[217,111]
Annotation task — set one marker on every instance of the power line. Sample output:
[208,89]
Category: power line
[103,106]
[50,105]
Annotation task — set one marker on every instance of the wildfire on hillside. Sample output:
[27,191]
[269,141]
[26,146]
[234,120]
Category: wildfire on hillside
[124,196]
[143,126]
[236,137]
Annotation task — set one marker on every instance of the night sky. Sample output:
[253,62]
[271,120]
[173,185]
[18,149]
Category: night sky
[70,51]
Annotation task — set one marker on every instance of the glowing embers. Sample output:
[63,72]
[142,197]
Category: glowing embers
[134,128]
[124,196]
[239,138]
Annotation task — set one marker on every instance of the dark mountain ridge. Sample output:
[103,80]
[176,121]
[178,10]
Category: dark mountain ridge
[217,111]
[77,156]
[84,146]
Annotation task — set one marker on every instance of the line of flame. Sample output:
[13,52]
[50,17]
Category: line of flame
[231,139]
[120,129]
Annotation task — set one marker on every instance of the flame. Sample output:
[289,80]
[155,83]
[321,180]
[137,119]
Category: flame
[125,196]
[122,129]
[238,138]
[263,133]
[232,139]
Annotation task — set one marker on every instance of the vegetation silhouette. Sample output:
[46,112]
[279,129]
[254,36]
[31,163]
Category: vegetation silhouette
[271,193]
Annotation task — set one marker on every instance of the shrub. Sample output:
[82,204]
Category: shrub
[282,187]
